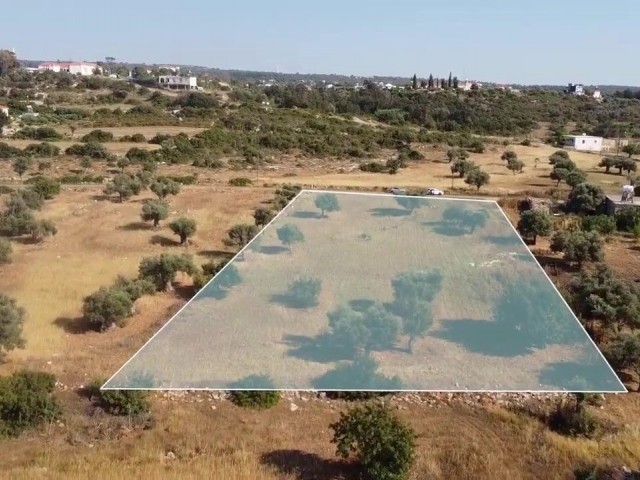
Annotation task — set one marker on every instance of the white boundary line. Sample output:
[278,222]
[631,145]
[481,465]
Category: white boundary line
[340,192]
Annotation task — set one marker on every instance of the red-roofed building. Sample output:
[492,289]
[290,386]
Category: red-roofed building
[74,68]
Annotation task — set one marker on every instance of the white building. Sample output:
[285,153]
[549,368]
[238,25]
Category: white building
[583,143]
[175,82]
[577,89]
[74,68]
[4,109]
[597,94]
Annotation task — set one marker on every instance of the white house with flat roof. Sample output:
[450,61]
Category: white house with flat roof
[583,143]
[176,82]
[74,68]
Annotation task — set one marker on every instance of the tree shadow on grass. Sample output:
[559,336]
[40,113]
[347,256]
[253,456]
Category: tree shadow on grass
[307,214]
[447,229]
[216,253]
[485,337]
[309,466]
[321,348]
[502,240]
[389,212]
[579,376]
[272,250]
[76,326]
[135,226]
[163,241]
[290,301]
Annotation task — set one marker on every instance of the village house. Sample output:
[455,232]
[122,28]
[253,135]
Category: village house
[583,143]
[4,110]
[74,68]
[577,89]
[175,82]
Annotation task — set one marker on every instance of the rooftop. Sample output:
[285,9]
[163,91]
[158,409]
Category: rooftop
[353,291]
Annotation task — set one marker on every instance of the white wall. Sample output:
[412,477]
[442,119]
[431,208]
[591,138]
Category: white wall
[588,144]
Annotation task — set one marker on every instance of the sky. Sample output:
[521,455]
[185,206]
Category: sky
[518,41]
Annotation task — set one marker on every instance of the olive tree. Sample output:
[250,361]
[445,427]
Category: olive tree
[21,165]
[154,211]
[11,322]
[5,250]
[477,178]
[162,269]
[289,234]
[185,228]
[624,353]
[585,198]
[578,246]
[533,223]
[263,216]
[125,186]
[165,187]
[383,445]
[107,307]
[327,202]
[240,235]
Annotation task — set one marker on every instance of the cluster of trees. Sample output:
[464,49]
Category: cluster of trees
[377,326]
[621,163]
[468,170]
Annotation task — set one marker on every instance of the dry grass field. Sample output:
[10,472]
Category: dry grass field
[435,172]
[98,239]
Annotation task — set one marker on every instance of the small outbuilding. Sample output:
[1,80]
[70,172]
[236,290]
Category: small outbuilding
[584,142]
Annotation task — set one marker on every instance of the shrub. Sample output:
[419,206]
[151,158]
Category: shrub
[119,402]
[135,138]
[603,224]
[26,401]
[573,420]
[7,151]
[384,446]
[240,182]
[627,219]
[46,187]
[303,293]
[97,136]
[93,150]
[182,180]
[107,307]
[373,167]
[5,250]
[43,149]
[255,398]
[11,322]
[38,133]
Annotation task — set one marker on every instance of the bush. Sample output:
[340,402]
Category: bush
[603,224]
[627,219]
[97,136]
[5,251]
[240,182]
[107,307]
[93,150]
[303,293]
[38,133]
[46,187]
[7,151]
[384,446]
[573,420]
[26,401]
[182,180]
[135,138]
[255,398]
[119,402]
[373,167]
[43,149]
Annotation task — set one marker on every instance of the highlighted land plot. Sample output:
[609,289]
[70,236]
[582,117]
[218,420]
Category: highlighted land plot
[351,291]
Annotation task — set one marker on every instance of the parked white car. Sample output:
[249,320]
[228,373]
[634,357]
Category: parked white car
[433,191]
[397,191]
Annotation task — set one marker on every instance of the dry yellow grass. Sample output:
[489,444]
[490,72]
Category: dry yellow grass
[435,172]
[99,239]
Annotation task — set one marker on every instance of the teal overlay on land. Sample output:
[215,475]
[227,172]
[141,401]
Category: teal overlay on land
[353,291]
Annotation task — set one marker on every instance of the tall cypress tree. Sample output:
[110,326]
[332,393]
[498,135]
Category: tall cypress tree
[443,83]
[430,82]
[455,82]
[414,82]
[450,83]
